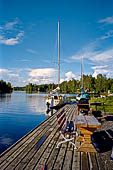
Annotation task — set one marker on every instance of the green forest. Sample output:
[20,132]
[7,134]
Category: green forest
[101,84]
[98,85]
[5,87]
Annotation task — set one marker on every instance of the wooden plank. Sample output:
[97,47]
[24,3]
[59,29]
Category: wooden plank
[92,161]
[60,113]
[22,141]
[92,121]
[24,149]
[29,157]
[43,156]
[16,152]
[25,157]
[80,121]
[84,161]
[49,155]
[82,104]
[34,159]
[67,165]
[76,158]
[86,147]
[16,158]
[60,157]
[31,148]
[58,164]
[52,158]
[76,155]
[100,162]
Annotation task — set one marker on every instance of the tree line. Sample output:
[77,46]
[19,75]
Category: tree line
[5,87]
[101,84]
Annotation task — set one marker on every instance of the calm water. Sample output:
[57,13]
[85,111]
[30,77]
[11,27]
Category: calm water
[19,113]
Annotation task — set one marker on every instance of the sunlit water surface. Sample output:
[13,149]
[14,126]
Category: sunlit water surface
[19,113]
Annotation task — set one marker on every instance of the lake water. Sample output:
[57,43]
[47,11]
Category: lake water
[19,113]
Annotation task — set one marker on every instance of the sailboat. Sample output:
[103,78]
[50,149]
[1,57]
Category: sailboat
[83,94]
[55,100]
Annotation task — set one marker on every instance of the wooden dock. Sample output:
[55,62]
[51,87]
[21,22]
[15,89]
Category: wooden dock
[39,147]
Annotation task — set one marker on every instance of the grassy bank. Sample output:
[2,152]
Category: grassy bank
[106,107]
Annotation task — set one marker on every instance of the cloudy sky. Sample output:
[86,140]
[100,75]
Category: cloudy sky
[28,39]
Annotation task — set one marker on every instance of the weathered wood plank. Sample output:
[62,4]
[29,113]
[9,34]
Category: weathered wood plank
[48,156]
[43,149]
[100,162]
[30,149]
[22,141]
[84,161]
[61,154]
[24,148]
[80,120]
[38,157]
[92,121]
[67,165]
[92,161]
[39,147]
[76,158]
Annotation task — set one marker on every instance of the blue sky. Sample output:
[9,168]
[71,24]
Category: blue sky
[28,39]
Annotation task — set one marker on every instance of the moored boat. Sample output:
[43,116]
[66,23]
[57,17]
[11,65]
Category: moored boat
[54,99]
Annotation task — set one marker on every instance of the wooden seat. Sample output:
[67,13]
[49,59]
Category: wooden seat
[83,106]
[87,125]
[66,129]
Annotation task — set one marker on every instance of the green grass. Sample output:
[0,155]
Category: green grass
[108,104]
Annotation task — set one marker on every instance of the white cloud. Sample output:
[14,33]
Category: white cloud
[42,76]
[3,71]
[96,56]
[108,34]
[14,36]
[76,57]
[21,77]
[100,71]
[108,20]
[13,75]
[69,75]
[20,34]
[31,51]
[24,60]
[11,41]
[99,67]
[47,72]
[104,56]
[10,25]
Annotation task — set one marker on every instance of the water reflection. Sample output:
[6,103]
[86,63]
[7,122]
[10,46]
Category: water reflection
[5,97]
[19,113]
[6,140]
[36,103]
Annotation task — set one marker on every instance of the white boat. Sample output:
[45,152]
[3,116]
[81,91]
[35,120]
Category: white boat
[54,99]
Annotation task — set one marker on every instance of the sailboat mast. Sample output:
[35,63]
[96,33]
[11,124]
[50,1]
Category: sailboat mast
[82,73]
[58,53]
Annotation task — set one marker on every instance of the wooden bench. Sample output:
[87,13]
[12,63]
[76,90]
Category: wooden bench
[83,107]
[66,129]
[87,125]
